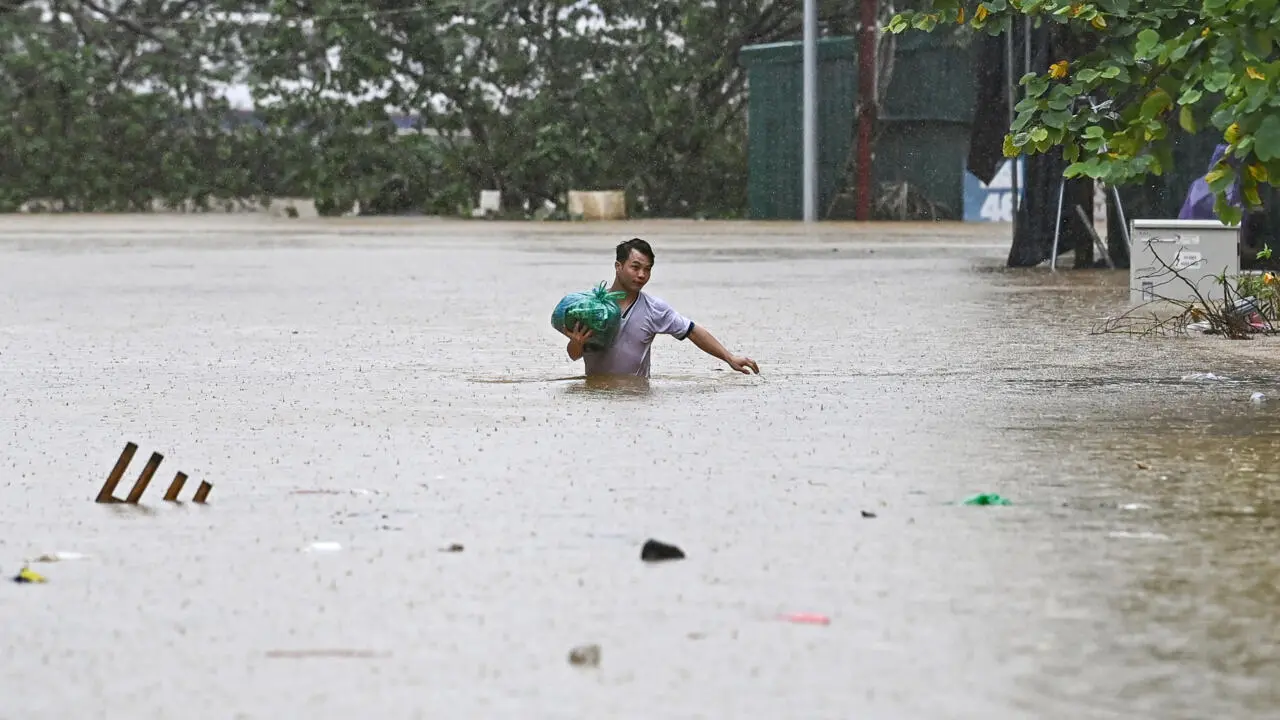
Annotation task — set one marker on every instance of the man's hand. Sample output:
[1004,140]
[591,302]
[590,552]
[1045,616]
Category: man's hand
[708,344]
[578,338]
[742,364]
[579,334]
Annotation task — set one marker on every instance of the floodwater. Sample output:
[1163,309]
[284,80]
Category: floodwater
[389,388]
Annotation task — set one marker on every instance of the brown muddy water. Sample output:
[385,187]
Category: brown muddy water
[409,371]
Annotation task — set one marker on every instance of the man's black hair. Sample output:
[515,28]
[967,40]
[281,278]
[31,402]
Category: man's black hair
[640,246]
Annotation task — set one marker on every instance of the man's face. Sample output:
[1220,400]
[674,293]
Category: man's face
[634,272]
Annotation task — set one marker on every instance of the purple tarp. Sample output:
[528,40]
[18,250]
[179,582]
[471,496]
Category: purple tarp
[1199,202]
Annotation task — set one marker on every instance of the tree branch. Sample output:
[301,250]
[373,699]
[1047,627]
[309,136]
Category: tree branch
[129,25]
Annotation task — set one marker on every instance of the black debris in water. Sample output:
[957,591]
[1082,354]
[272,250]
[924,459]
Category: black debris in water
[654,551]
[868,514]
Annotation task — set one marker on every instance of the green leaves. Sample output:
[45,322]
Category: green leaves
[1187,119]
[528,97]
[1148,44]
[1156,102]
[1266,139]
[79,135]
[1221,177]
[926,22]
[1210,60]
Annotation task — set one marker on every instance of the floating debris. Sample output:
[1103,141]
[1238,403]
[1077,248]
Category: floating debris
[654,551]
[27,575]
[585,656]
[807,618]
[324,547]
[987,499]
[868,514]
[1258,398]
[58,557]
[454,548]
[1202,377]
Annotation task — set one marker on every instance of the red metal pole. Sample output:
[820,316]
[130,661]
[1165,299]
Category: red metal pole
[866,103]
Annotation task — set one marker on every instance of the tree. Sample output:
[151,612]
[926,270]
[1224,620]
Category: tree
[533,97]
[1145,65]
[120,104]
[115,106]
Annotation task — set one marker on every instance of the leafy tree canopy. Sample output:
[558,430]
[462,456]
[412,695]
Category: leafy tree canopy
[119,104]
[1149,64]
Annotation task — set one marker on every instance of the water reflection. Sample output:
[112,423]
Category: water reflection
[619,385]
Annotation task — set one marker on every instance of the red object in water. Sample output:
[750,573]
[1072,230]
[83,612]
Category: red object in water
[807,618]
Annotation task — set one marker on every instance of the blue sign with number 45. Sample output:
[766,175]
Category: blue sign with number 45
[993,202]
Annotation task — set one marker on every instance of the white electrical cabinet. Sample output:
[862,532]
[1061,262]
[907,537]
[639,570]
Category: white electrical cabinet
[1200,250]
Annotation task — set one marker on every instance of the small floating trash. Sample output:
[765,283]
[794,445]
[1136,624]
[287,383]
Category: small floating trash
[585,656]
[324,547]
[803,618]
[1202,377]
[1258,398]
[986,499]
[59,556]
[654,551]
[27,575]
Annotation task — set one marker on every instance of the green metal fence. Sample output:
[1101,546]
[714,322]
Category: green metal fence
[922,136]
[775,123]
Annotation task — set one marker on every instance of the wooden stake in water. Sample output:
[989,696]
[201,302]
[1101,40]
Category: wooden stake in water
[144,479]
[107,493]
[175,487]
[202,492]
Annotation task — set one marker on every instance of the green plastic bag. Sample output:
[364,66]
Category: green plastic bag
[987,499]
[597,309]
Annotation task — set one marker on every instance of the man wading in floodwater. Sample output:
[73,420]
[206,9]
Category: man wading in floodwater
[644,317]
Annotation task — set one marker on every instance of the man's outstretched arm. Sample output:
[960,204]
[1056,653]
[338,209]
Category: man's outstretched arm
[708,344]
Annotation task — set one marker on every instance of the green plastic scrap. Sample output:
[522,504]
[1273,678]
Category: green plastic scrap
[986,499]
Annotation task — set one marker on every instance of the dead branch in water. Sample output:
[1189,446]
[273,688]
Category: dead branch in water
[1230,318]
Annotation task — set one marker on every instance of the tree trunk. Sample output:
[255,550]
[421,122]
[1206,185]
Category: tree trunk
[1079,193]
